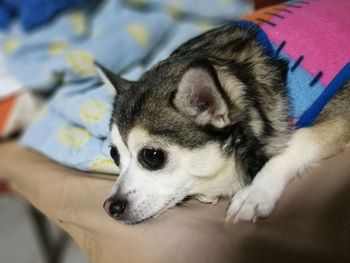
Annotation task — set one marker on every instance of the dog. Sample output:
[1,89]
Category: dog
[213,120]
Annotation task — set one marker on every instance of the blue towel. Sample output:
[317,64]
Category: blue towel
[64,51]
[76,134]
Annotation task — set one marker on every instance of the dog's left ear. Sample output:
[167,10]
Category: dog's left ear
[200,95]
[113,81]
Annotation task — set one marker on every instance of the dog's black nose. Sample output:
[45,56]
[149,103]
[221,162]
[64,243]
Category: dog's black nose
[115,207]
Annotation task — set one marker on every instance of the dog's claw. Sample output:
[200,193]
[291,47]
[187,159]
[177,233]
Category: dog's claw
[215,201]
[207,200]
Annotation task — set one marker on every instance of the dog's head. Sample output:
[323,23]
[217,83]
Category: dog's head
[177,132]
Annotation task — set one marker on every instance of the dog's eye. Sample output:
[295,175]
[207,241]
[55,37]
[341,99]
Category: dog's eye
[152,159]
[115,155]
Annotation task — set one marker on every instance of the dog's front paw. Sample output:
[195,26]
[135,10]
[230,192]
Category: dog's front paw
[250,203]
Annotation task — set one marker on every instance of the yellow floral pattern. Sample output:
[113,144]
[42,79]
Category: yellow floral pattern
[93,111]
[73,137]
[10,45]
[136,2]
[204,25]
[78,22]
[104,165]
[57,47]
[82,63]
[174,10]
[140,34]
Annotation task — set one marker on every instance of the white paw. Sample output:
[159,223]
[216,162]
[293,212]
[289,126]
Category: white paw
[251,203]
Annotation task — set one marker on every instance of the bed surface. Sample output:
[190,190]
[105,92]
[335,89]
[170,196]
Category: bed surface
[310,224]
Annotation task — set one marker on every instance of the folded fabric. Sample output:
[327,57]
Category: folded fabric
[65,51]
[69,142]
[35,13]
[219,10]
[9,84]
[314,38]
[16,112]
[179,33]
[6,108]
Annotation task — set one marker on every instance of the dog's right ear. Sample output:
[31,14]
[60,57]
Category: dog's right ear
[113,81]
[200,95]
